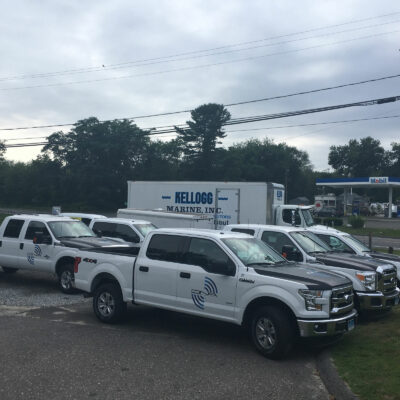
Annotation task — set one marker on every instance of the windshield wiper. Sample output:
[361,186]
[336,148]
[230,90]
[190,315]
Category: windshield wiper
[66,237]
[319,252]
[260,263]
[86,236]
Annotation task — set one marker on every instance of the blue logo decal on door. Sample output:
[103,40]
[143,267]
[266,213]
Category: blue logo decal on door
[199,296]
[37,251]
[31,258]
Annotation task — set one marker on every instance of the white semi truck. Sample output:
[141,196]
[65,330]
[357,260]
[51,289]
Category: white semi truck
[227,202]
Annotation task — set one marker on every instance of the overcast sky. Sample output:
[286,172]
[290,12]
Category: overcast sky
[65,61]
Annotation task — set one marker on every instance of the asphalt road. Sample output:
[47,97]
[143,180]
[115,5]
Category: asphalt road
[64,352]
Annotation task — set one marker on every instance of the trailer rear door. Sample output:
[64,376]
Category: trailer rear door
[227,207]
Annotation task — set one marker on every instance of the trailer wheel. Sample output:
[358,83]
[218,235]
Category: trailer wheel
[66,278]
[272,332]
[8,270]
[108,303]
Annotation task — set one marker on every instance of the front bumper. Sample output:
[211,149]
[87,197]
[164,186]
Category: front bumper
[378,300]
[327,327]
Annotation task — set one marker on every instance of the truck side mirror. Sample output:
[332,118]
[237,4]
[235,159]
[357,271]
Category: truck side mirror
[291,253]
[40,238]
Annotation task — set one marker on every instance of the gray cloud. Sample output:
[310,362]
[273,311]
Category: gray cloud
[56,36]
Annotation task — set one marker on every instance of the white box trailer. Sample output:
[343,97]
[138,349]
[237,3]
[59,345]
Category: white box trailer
[167,219]
[226,202]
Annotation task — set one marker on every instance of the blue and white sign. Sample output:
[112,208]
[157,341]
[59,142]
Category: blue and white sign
[379,180]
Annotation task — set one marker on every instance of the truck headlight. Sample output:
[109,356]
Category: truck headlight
[368,280]
[310,297]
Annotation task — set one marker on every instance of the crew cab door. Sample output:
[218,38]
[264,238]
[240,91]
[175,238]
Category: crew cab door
[155,271]
[37,256]
[206,280]
[10,244]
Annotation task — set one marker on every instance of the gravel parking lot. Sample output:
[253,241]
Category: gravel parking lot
[33,289]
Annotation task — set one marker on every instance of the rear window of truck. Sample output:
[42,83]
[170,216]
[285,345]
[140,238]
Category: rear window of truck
[166,248]
[13,228]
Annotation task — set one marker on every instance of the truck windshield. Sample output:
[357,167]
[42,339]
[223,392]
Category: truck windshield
[70,229]
[357,244]
[252,251]
[308,218]
[144,229]
[309,242]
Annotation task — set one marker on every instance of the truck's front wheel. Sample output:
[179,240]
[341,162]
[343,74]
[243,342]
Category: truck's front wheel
[66,278]
[272,332]
[108,303]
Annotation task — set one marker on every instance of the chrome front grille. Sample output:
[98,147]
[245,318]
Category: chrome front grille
[342,300]
[387,280]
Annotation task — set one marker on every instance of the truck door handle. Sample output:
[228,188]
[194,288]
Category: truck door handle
[185,275]
[144,269]
[21,246]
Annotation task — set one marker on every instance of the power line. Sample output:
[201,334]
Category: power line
[245,120]
[197,66]
[113,66]
[227,105]
[313,124]
[142,63]
[258,118]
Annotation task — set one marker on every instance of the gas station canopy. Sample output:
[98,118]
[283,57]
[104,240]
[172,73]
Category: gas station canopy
[370,182]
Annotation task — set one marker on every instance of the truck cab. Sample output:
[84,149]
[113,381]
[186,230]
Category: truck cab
[374,281]
[47,243]
[292,215]
[343,242]
[128,230]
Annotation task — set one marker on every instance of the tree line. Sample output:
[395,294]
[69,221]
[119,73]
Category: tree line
[87,168]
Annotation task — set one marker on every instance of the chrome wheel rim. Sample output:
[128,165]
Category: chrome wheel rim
[66,279]
[106,304]
[265,333]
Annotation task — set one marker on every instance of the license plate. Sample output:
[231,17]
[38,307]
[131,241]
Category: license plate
[350,324]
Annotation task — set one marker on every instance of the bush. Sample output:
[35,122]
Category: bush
[318,220]
[356,222]
[333,221]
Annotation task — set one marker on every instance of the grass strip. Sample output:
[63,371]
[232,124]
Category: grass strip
[368,358]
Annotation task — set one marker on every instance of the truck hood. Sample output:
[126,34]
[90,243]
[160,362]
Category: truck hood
[313,278]
[323,228]
[351,261]
[384,256]
[91,242]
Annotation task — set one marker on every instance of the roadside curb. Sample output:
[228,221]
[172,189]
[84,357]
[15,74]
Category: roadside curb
[335,385]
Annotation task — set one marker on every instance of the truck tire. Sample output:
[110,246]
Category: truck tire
[108,303]
[8,270]
[272,332]
[66,277]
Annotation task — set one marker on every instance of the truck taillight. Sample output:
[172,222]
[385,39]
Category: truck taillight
[76,264]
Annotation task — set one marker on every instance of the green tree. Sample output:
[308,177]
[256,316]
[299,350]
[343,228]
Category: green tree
[2,150]
[359,158]
[97,158]
[199,141]
[266,161]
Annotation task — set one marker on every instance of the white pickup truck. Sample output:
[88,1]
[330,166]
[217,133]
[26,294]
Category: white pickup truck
[221,275]
[49,244]
[343,242]
[374,281]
